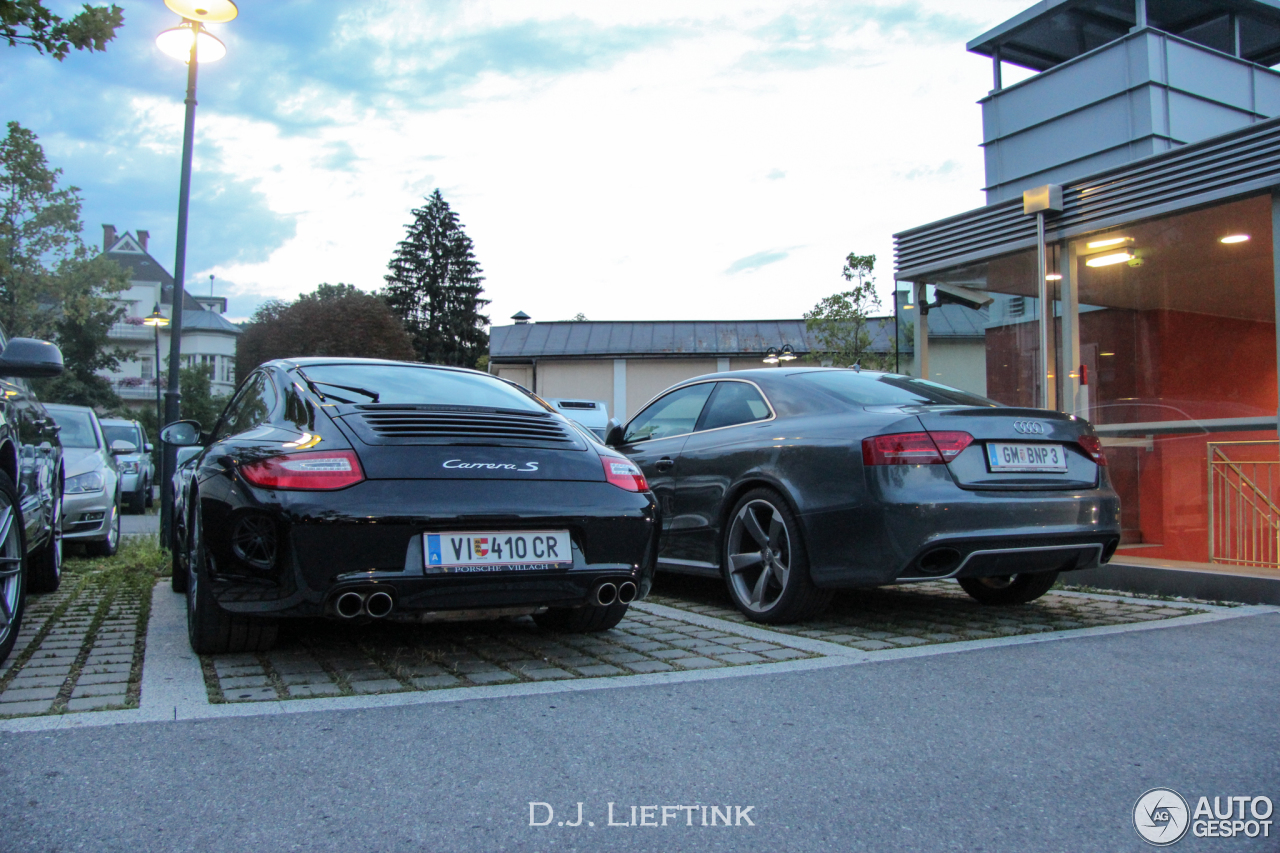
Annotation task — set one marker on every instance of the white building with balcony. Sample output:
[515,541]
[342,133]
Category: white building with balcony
[207,337]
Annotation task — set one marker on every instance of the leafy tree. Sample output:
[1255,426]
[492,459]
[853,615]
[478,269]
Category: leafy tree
[52,285]
[334,319]
[842,325]
[29,22]
[434,286]
[199,403]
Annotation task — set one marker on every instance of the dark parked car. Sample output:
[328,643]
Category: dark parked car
[790,483]
[30,484]
[366,489]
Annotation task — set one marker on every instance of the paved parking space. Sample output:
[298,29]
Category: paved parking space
[79,649]
[82,649]
[324,658]
[924,613]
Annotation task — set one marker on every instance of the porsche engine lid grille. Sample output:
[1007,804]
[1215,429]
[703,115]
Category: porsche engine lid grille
[462,425]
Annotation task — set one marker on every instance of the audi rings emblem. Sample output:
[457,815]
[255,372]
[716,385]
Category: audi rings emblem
[1029,427]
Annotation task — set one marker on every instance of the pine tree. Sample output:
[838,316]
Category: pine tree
[434,287]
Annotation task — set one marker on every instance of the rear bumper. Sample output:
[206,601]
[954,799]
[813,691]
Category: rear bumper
[924,527]
[369,538]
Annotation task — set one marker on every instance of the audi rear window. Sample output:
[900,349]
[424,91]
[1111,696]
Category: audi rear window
[882,389]
[408,384]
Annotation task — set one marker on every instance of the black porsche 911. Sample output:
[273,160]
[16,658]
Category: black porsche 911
[367,489]
[793,482]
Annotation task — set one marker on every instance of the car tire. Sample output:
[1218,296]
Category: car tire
[149,499]
[137,502]
[765,564]
[178,579]
[211,629]
[13,566]
[107,547]
[46,563]
[1009,589]
[578,620]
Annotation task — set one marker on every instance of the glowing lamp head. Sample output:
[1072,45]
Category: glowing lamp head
[177,43]
[1235,238]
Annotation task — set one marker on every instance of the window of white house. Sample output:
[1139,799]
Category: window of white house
[148,368]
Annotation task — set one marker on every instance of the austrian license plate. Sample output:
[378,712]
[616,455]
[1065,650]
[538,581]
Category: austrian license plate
[1026,457]
[477,553]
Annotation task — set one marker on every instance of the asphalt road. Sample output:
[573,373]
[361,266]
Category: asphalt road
[1042,746]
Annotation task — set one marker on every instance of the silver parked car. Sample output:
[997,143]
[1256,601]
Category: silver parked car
[91,497]
[137,470]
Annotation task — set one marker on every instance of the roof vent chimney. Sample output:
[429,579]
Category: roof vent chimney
[143,237]
[521,318]
[108,237]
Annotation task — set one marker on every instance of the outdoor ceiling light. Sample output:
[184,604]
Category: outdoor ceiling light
[787,353]
[1104,244]
[1110,260]
[209,11]
[771,356]
[177,43]
[1235,238]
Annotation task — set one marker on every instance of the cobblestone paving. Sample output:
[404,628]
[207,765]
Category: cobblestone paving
[324,658]
[920,614]
[79,649]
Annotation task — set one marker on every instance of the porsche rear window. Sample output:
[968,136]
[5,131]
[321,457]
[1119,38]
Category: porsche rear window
[882,389]
[408,384]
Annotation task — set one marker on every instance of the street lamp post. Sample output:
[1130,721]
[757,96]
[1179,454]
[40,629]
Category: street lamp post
[156,320]
[191,43]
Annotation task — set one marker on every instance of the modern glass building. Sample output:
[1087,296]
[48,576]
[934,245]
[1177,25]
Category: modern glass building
[1149,305]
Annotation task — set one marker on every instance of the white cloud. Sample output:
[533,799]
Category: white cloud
[626,189]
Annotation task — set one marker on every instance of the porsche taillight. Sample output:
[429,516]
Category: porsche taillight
[623,473]
[317,471]
[1093,446]
[914,448]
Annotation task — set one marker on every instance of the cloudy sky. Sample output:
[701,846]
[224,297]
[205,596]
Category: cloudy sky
[626,160]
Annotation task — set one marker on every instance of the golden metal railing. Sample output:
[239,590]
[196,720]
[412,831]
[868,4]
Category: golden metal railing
[1244,516]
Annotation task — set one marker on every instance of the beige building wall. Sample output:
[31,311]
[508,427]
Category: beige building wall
[646,377]
[959,363]
[519,374]
[588,379]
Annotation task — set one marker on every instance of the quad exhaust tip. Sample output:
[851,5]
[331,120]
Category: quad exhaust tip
[606,594]
[375,605]
[378,604]
[626,592]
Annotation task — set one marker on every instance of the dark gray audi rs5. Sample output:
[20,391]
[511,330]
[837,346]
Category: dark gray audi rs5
[792,482]
[366,489]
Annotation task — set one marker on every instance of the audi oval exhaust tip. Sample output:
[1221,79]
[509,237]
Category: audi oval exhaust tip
[378,604]
[606,594]
[349,605]
[626,592]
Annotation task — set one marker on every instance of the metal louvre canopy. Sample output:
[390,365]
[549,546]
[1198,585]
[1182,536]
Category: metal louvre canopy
[1232,165]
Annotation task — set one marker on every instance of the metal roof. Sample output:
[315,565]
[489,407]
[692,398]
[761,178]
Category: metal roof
[1054,31]
[695,338]
[200,320]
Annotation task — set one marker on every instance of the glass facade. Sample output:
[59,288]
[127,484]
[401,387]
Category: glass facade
[1169,347]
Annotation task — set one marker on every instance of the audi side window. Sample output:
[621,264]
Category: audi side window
[734,403]
[675,414]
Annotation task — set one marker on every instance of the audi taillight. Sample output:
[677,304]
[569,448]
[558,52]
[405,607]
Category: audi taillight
[914,448]
[318,471]
[1093,446]
[624,473]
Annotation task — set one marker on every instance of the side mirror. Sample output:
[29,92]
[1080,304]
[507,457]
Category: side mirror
[181,434]
[120,447]
[613,437]
[28,358]
[150,448]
